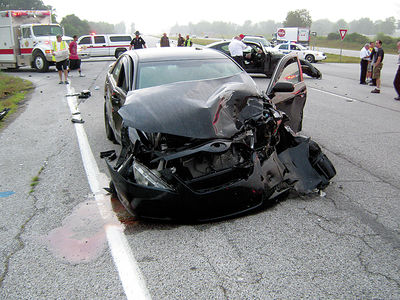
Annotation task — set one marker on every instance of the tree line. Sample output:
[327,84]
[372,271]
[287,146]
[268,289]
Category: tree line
[297,18]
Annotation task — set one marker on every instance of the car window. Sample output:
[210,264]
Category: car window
[283,47]
[291,72]
[116,70]
[225,48]
[159,73]
[26,32]
[294,47]
[99,39]
[120,38]
[85,40]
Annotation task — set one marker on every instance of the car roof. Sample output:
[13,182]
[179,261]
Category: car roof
[174,53]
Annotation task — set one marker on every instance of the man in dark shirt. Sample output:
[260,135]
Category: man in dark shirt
[378,64]
[137,42]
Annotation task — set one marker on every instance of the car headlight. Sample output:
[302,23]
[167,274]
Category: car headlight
[146,177]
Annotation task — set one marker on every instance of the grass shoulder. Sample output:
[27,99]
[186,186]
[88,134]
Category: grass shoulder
[12,91]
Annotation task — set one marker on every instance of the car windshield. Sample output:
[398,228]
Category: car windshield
[159,73]
[47,30]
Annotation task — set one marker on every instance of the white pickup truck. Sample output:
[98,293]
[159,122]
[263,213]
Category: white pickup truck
[95,45]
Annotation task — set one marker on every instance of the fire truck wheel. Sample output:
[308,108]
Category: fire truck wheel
[40,63]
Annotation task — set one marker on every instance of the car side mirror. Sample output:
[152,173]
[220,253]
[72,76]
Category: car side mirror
[283,87]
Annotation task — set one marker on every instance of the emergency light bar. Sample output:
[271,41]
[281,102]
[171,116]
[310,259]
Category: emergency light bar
[30,13]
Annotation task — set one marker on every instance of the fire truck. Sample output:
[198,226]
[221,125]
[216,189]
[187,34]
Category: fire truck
[26,38]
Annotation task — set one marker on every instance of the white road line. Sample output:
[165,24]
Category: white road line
[333,94]
[129,272]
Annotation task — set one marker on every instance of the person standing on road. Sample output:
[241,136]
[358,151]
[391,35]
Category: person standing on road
[137,42]
[74,60]
[369,68]
[236,47]
[396,81]
[378,64]
[364,56]
[188,42]
[181,41]
[60,52]
[164,42]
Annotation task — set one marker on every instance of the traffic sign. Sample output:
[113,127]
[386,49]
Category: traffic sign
[342,33]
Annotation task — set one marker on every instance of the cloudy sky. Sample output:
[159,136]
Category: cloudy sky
[155,16]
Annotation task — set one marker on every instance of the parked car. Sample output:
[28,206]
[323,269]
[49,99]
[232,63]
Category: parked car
[200,141]
[304,53]
[103,45]
[257,59]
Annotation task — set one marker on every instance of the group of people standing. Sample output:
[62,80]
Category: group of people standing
[164,41]
[66,57]
[371,56]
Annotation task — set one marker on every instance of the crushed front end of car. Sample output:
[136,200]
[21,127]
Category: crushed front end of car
[215,149]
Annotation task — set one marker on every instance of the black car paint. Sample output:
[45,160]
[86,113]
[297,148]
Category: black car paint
[233,129]
[264,62]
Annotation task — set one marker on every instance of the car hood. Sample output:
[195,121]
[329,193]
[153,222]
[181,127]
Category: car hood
[215,108]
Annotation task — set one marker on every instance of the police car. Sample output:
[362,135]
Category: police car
[304,53]
[96,45]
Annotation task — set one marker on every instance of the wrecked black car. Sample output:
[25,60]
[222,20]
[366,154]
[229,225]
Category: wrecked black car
[257,59]
[212,147]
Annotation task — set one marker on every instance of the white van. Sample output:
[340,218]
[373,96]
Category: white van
[103,45]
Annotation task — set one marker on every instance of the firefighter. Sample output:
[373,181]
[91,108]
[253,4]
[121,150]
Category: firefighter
[60,52]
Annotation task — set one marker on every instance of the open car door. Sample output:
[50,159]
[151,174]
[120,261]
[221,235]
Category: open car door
[287,90]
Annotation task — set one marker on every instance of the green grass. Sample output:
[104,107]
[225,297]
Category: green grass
[35,180]
[333,58]
[12,92]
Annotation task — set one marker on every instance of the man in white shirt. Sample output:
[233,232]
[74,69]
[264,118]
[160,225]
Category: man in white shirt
[364,56]
[236,47]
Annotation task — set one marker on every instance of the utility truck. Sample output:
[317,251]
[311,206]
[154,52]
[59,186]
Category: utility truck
[26,38]
[293,34]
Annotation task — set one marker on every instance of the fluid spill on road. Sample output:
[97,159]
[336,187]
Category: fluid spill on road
[81,238]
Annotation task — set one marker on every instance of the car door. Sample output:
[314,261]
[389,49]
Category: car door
[85,44]
[100,47]
[254,58]
[296,49]
[119,83]
[292,103]
[284,48]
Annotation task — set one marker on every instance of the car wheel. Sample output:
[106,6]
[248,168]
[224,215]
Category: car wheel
[109,131]
[310,58]
[40,62]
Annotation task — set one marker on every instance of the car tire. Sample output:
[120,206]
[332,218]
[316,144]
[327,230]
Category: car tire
[310,58]
[119,52]
[109,131]
[40,62]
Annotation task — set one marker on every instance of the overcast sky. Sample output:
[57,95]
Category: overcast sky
[155,16]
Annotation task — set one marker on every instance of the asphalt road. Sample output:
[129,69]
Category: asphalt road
[342,245]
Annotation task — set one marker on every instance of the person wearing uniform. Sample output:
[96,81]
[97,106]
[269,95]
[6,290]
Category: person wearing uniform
[60,52]
[364,56]
[188,42]
[137,42]
[236,47]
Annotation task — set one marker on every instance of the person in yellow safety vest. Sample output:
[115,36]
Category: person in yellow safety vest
[60,53]
[188,42]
